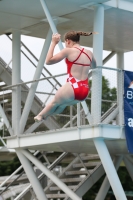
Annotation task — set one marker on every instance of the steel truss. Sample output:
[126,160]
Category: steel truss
[94,118]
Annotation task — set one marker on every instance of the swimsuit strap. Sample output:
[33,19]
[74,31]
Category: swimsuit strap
[81,64]
[87,55]
[81,51]
[79,54]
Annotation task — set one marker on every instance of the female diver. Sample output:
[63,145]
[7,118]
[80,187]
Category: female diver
[78,60]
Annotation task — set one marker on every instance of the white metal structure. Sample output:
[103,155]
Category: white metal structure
[113,20]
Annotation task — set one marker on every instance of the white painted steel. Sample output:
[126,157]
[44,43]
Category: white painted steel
[49,167]
[123,4]
[71,116]
[97,73]
[16,78]
[29,19]
[23,192]
[78,114]
[13,191]
[109,68]
[33,87]
[2,141]
[120,86]
[87,113]
[8,178]
[106,185]
[33,81]
[31,176]
[110,117]
[68,123]
[69,137]
[32,127]
[109,57]
[49,174]
[98,26]
[53,28]
[6,77]
[50,20]
[109,169]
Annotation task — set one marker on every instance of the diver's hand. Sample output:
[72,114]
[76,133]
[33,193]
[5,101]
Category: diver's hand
[56,38]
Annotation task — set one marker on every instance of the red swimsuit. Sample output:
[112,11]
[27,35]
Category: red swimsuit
[80,87]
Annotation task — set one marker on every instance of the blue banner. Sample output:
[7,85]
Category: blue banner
[128,108]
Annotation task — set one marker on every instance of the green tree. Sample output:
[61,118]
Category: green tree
[8,167]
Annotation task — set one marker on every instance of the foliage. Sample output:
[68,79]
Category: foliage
[125,179]
[8,167]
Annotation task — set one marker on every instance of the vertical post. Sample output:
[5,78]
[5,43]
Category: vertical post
[120,65]
[78,114]
[32,176]
[71,116]
[33,87]
[96,104]
[97,73]
[109,169]
[106,185]
[16,76]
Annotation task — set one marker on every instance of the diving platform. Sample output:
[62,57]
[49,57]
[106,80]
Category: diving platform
[95,138]
[74,139]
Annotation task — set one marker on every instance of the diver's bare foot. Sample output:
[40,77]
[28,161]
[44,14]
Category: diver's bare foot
[38,118]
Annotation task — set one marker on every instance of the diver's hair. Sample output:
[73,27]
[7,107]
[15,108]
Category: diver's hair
[75,35]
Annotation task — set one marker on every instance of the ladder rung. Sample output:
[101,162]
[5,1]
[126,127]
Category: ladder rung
[56,196]
[77,172]
[57,188]
[90,157]
[90,164]
[67,180]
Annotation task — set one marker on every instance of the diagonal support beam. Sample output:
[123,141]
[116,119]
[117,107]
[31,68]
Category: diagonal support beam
[106,185]
[49,174]
[111,116]
[109,57]
[31,176]
[3,141]
[109,168]
[6,120]
[32,127]
[34,85]
[50,20]
[50,167]
[87,113]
